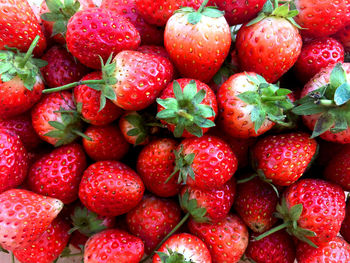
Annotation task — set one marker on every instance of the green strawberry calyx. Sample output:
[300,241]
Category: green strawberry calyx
[290,217]
[172,257]
[331,102]
[269,101]
[186,110]
[14,63]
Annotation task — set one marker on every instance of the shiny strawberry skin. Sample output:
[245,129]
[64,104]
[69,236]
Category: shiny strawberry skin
[260,47]
[97,32]
[110,188]
[284,157]
[58,174]
[154,50]
[24,216]
[108,143]
[14,160]
[48,247]
[152,220]
[191,247]
[227,239]
[113,245]
[61,69]
[316,55]
[336,250]
[140,79]
[345,227]
[323,207]
[343,35]
[19,26]
[155,164]
[277,247]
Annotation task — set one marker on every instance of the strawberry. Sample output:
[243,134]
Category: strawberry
[336,250]
[19,27]
[110,188]
[207,162]
[255,203]
[343,35]
[198,41]
[154,50]
[127,8]
[183,248]
[217,202]
[155,164]
[152,219]
[58,174]
[316,55]
[48,246]
[277,247]
[134,128]
[249,106]
[227,239]
[283,158]
[312,211]
[345,227]
[260,41]
[20,82]
[14,160]
[108,33]
[188,107]
[324,103]
[107,143]
[24,216]
[61,67]
[113,245]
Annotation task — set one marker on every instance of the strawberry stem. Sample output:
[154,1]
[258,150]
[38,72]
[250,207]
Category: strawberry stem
[326,103]
[184,114]
[74,84]
[79,133]
[12,258]
[273,98]
[242,181]
[29,52]
[272,230]
[200,9]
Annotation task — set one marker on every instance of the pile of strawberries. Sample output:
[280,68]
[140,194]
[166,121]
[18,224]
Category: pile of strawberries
[175,131]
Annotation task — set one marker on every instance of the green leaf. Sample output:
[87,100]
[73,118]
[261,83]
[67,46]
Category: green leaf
[195,130]
[190,90]
[338,76]
[205,111]
[213,12]
[258,117]
[203,123]
[281,11]
[179,129]
[166,114]
[54,134]
[250,97]
[295,212]
[309,108]
[57,125]
[177,91]
[102,102]
[341,124]
[59,27]
[342,94]
[133,132]
[54,5]
[108,91]
[323,124]
[199,96]
[194,18]
[283,92]
[268,7]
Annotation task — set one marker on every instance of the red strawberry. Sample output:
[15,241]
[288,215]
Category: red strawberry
[249,106]
[113,245]
[316,55]
[283,158]
[198,42]
[24,216]
[127,8]
[343,35]
[183,248]
[22,126]
[152,219]
[134,128]
[260,47]
[58,174]
[107,143]
[336,250]
[255,203]
[345,227]
[227,239]
[62,68]
[217,202]
[207,162]
[154,50]
[188,107]
[110,188]
[19,26]
[14,160]
[278,247]
[48,246]
[155,164]
[95,32]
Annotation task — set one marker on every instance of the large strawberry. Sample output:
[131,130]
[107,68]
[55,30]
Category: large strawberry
[24,216]
[95,32]
[198,41]
[270,44]
[249,106]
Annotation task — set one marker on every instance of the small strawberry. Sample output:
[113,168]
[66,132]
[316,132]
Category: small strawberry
[58,174]
[152,219]
[110,188]
[227,239]
[113,245]
[345,227]
[184,248]
[188,108]
[48,246]
[198,41]
[24,216]
[155,164]
[95,32]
